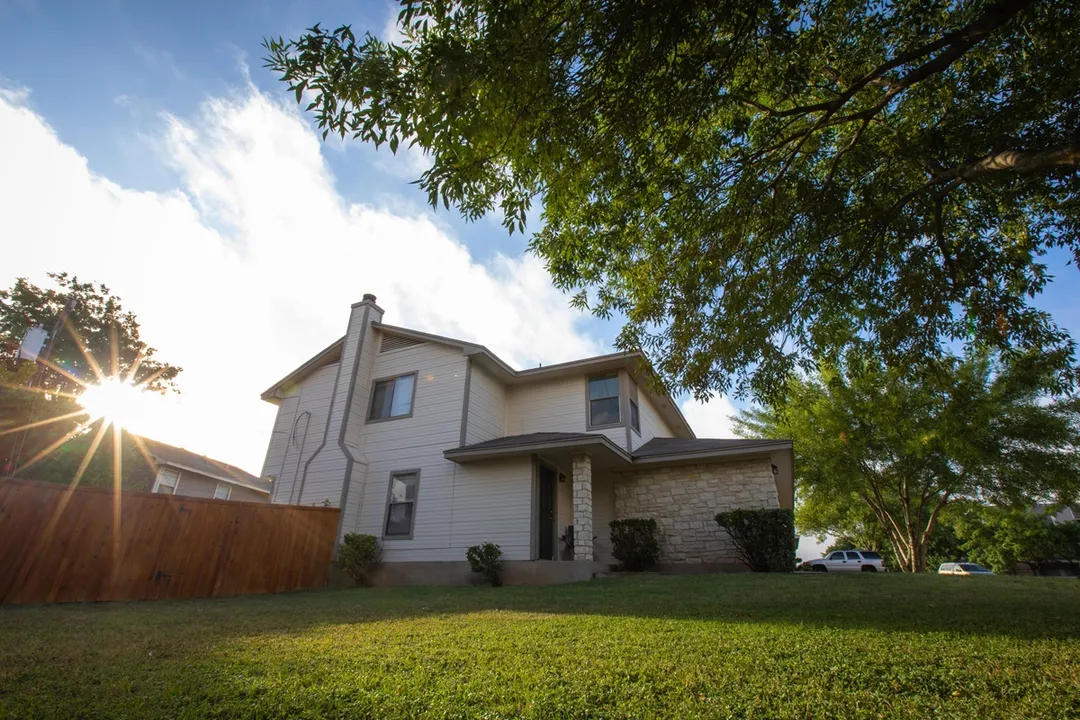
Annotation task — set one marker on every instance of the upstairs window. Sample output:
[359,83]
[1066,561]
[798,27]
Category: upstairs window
[393,397]
[604,400]
[401,504]
[222,491]
[166,482]
[635,417]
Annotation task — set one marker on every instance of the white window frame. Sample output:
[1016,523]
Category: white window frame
[228,491]
[158,484]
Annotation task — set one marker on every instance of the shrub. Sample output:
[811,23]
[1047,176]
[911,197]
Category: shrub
[486,559]
[764,539]
[634,543]
[358,554]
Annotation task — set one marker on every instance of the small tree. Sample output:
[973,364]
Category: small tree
[634,543]
[486,560]
[764,539]
[358,554]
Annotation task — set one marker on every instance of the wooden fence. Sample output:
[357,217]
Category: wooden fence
[58,545]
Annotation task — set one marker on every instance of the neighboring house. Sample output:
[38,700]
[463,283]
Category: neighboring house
[182,472]
[434,444]
[1062,514]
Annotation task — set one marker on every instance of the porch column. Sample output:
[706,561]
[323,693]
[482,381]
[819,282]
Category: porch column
[583,507]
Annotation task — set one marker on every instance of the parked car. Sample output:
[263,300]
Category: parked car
[849,561]
[962,568]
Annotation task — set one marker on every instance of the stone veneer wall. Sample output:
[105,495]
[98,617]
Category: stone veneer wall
[684,502]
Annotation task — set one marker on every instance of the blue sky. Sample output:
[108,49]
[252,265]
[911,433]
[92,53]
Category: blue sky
[147,148]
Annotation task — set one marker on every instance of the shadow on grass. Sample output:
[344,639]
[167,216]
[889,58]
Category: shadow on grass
[1026,608]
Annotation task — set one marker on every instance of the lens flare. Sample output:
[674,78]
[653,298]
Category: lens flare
[117,402]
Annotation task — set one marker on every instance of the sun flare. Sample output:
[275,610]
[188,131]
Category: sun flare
[118,402]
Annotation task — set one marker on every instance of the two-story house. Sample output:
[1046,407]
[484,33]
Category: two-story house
[434,444]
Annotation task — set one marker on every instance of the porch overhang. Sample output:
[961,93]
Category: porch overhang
[599,446]
[607,456]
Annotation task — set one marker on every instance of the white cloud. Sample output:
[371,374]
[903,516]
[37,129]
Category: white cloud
[249,266]
[391,31]
[710,419]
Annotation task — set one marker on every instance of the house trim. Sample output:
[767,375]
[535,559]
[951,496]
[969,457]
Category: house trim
[465,455]
[634,363]
[465,400]
[345,449]
[694,456]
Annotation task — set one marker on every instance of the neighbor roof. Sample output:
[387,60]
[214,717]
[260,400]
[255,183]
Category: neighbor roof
[633,362]
[177,457]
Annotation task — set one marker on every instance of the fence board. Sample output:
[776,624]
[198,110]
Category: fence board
[58,545]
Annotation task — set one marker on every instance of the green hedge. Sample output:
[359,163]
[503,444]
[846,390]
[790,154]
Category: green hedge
[764,539]
[486,560]
[358,554]
[634,543]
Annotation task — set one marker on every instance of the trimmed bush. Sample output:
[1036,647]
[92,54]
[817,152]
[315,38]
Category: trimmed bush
[358,554]
[764,539]
[634,543]
[486,559]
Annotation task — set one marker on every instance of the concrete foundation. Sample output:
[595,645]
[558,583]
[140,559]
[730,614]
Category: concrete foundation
[439,574]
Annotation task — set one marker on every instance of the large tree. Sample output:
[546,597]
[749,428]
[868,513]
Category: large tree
[89,333]
[749,183]
[876,445]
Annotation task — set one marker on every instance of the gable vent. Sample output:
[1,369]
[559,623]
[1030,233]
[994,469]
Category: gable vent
[397,342]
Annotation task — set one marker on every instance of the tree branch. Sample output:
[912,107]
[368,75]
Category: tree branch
[1017,161]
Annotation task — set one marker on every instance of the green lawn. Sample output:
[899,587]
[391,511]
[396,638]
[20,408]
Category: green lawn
[706,646]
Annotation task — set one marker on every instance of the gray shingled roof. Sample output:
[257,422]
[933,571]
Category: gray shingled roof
[171,455]
[512,441]
[655,448]
[678,446]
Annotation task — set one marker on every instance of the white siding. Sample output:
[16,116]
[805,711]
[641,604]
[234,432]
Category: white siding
[193,484]
[487,407]
[416,443]
[358,412]
[295,441]
[278,447]
[652,425]
[552,406]
[492,502]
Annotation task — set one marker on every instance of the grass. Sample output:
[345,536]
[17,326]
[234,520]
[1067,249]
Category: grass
[738,646]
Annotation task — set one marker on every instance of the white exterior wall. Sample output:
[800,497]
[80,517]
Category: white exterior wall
[557,405]
[456,506]
[278,447]
[284,459]
[487,407]
[325,479]
[652,425]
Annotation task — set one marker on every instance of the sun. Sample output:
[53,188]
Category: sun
[115,400]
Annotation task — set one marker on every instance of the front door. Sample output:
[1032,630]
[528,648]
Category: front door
[547,513]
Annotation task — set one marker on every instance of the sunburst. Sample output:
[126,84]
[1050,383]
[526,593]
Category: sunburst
[111,400]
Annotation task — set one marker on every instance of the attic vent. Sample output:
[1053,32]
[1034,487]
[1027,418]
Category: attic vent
[397,342]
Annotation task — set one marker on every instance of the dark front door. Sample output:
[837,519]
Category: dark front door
[547,513]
